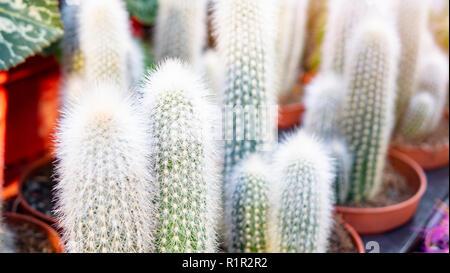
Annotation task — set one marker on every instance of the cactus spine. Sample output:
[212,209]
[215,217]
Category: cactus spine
[342,157]
[104,191]
[184,159]
[247,208]
[244,34]
[181,30]
[105,38]
[303,197]
[412,21]
[290,40]
[367,116]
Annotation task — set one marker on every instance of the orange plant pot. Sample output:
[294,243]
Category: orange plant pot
[30,172]
[368,221]
[52,236]
[357,241]
[3,108]
[33,101]
[428,158]
[290,116]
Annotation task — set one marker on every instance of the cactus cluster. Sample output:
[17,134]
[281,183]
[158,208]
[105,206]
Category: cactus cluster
[180,30]
[247,209]
[301,219]
[244,34]
[183,158]
[291,30]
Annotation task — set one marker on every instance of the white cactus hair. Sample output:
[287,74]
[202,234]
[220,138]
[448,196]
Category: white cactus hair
[292,16]
[102,147]
[302,146]
[323,98]
[183,39]
[135,62]
[418,120]
[203,116]
[105,37]
[214,72]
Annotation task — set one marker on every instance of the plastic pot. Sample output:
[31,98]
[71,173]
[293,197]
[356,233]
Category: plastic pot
[429,158]
[32,170]
[290,116]
[357,241]
[368,221]
[52,236]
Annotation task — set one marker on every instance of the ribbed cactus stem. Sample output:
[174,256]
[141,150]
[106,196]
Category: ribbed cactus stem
[247,210]
[184,162]
[368,114]
[303,196]
[342,157]
[289,42]
[181,30]
[417,119]
[105,190]
[105,38]
[244,30]
[412,22]
[72,56]
[323,99]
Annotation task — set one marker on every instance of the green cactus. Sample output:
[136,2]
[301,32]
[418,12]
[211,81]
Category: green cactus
[181,30]
[303,197]
[244,30]
[184,159]
[247,208]
[368,115]
[412,19]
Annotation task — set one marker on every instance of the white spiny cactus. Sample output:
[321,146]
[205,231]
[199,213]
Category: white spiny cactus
[184,160]
[105,37]
[342,157]
[323,99]
[303,196]
[213,70]
[418,117]
[181,30]
[245,35]
[135,62]
[289,42]
[367,115]
[247,209]
[344,16]
[105,190]
[412,19]
[72,56]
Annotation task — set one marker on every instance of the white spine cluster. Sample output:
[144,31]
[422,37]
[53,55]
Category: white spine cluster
[289,42]
[105,191]
[213,70]
[184,159]
[303,198]
[181,30]
[105,38]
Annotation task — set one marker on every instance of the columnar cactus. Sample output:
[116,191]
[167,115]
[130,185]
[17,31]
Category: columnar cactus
[303,197]
[368,114]
[105,39]
[417,119]
[244,30]
[72,56]
[181,30]
[135,62]
[247,210]
[184,162]
[105,190]
[342,157]
[412,22]
[323,100]
[344,15]
[289,42]
[212,68]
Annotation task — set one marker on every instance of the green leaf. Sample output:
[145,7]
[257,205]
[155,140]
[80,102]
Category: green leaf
[144,10]
[27,26]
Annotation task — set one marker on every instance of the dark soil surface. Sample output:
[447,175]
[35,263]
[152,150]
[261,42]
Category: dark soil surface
[30,240]
[341,241]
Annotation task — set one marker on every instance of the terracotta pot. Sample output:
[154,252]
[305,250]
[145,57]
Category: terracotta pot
[428,158]
[53,237]
[290,115]
[367,221]
[20,197]
[357,241]
[33,92]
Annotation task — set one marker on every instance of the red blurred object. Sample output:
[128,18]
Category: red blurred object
[33,101]
[136,27]
[3,109]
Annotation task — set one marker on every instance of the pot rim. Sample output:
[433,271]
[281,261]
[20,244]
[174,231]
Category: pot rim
[356,238]
[413,199]
[48,158]
[52,235]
